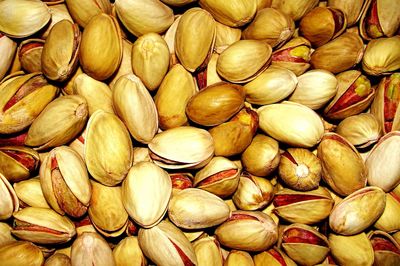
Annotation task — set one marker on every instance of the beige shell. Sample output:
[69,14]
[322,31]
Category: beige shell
[7,52]
[82,11]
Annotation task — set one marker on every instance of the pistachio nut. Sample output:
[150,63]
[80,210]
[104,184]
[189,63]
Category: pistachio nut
[150,59]
[294,8]
[352,9]
[253,192]
[128,252]
[134,105]
[125,67]
[181,147]
[303,207]
[29,193]
[379,19]
[238,258]
[91,249]
[65,181]
[82,11]
[273,85]
[42,226]
[234,136]
[351,250]
[378,57]
[315,88]
[23,97]
[108,148]
[291,123]
[193,44]
[208,251]
[300,169]
[353,214]
[236,13]
[304,244]
[385,106]
[220,177]
[225,36]
[244,60]
[7,51]
[30,55]
[343,168]
[360,130]
[177,87]
[165,244]
[60,122]
[146,191]
[100,52]
[388,221]
[106,210]
[19,253]
[32,16]
[248,231]
[295,55]
[386,249]
[59,11]
[353,96]
[144,16]
[5,234]
[18,162]
[9,200]
[273,257]
[215,104]
[97,94]
[58,259]
[323,24]
[349,47]
[194,208]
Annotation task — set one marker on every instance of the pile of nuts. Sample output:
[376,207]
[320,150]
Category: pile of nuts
[199,132]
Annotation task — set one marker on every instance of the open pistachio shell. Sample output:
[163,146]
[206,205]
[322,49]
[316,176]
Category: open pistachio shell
[9,201]
[27,252]
[82,11]
[388,221]
[386,249]
[7,52]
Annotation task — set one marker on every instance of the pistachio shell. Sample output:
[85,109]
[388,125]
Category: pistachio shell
[27,252]
[7,51]
[82,11]
[9,202]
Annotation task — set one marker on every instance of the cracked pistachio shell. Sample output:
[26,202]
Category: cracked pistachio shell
[135,107]
[65,181]
[352,9]
[129,253]
[165,244]
[248,231]
[220,177]
[315,88]
[30,193]
[91,249]
[18,113]
[9,201]
[360,130]
[7,52]
[146,192]
[18,162]
[343,168]
[244,60]
[382,162]
[42,226]
[100,52]
[215,104]
[349,47]
[386,248]
[382,56]
[60,51]
[239,258]
[262,156]
[271,86]
[30,55]
[354,213]
[20,19]
[192,43]
[294,8]
[291,123]
[150,59]
[106,210]
[272,257]
[208,251]
[27,252]
[181,147]
[144,16]
[253,192]
[176,89]
[60,122]
[58,259]
[234,13]
[225,36]
[97,94]
[108,148]
[389,221]
[194,208]
[353,250]
[280,27]
[82,11]
[308,207]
